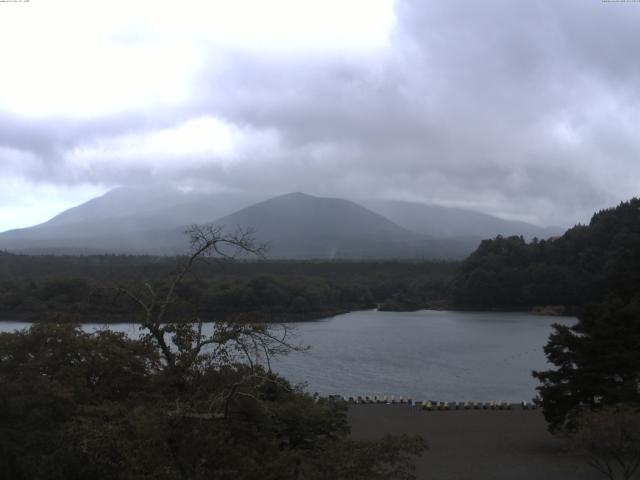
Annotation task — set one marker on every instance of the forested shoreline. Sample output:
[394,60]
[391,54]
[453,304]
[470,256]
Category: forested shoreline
[585,264]
[75,289]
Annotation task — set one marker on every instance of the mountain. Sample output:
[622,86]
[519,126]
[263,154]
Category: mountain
[439,221]
[154,207]
[125,220]
[152,221]
[297,225]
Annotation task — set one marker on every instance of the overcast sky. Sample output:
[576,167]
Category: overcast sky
[524,109]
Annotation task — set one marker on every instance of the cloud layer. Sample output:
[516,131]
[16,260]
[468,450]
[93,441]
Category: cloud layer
[523,109]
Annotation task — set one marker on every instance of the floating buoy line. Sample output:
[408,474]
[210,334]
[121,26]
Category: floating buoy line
[431,405]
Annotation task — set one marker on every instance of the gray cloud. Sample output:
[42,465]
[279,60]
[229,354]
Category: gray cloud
[526,108]
[520,108]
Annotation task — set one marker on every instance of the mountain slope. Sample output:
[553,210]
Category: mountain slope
[152,220]
[439,221]
[167,207]
[125,220]
[301,226]
[297,225]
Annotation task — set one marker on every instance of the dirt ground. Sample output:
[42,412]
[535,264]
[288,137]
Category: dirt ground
[476,444]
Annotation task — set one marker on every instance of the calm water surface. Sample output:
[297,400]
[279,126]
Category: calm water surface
[435,355]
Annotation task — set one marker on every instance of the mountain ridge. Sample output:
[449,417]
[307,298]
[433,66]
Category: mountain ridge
[298,225]
[442,221]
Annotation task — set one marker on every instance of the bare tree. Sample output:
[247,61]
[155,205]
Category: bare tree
[182,342]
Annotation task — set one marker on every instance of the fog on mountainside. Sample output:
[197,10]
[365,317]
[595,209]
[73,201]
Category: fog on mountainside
[168,207]
[296,226]
[440,221]
[126,220]
[301,226]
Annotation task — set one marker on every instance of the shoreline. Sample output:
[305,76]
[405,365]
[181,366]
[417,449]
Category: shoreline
[109,319]
[258,317]
[546,311]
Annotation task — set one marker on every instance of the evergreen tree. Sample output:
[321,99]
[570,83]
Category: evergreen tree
[597,360]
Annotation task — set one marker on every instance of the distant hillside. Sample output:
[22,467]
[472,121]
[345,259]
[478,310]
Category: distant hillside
[157,208]
[125,220]
[152,221]
[302,226]
[573,270]
[439,221]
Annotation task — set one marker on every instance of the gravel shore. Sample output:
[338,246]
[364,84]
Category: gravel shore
[476,444]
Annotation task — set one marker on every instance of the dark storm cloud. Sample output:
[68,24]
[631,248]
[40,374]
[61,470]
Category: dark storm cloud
[527,109]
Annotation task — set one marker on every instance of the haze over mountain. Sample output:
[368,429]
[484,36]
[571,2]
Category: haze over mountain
[168,207]
[441,221]
[125,220]
[295,225]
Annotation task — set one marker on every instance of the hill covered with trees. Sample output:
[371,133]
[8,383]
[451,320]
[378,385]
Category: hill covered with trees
[581,266]
[594,390]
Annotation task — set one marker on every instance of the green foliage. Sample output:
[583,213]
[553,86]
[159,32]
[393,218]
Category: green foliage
[597,360]
[75,405]
[586,263]
[598,363]
[81,288]
[51,373]
[177,403]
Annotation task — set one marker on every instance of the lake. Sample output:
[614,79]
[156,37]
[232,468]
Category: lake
[435,355]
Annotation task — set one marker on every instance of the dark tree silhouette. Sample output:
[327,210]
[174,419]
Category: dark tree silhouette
[597,364]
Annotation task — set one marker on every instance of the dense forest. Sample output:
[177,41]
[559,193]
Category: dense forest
[87,287]
[175,403]
[596,360]
[581,266]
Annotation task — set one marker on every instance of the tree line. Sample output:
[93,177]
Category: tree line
[81,288]
[583,265]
